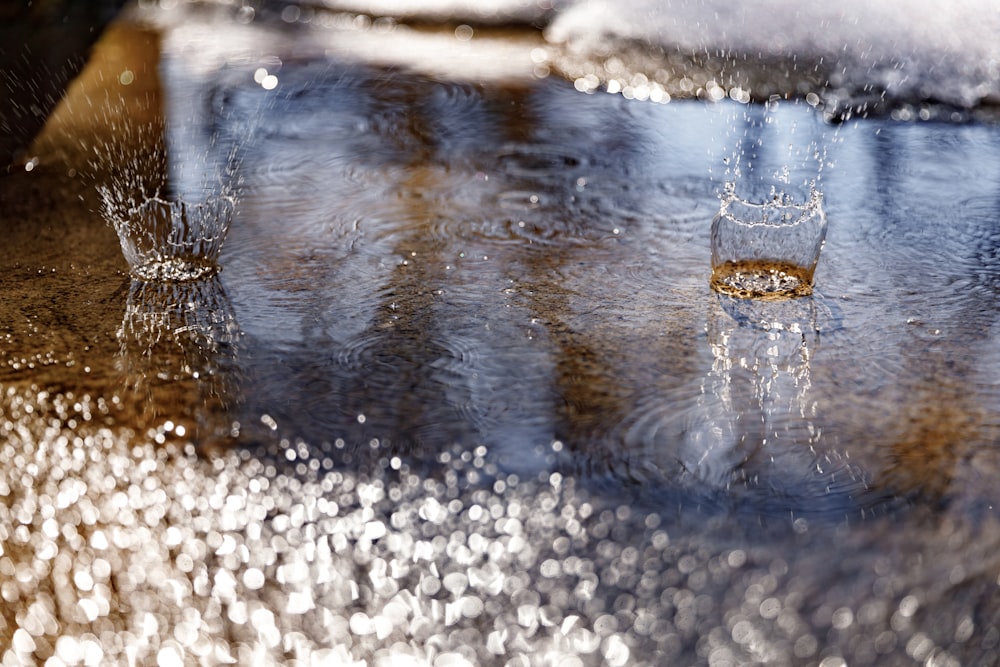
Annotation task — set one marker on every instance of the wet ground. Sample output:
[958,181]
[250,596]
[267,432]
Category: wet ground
[461,393]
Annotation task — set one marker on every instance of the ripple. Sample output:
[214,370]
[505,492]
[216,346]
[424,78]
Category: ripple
[459,354]
[366,352]
[519,200]
[457,120]
[359,113]
[543,233]
[383,386]
[540,161]
[731,453]
[595,210]
[740,428]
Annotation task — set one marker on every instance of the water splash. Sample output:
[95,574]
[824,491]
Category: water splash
[172,206]
[170,197]
[779,151]
[767,250]
[170,240]
[771,224]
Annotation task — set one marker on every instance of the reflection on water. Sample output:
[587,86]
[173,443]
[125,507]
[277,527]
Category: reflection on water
[769,342]
[761,381]
[747,432]
[452,271]
[179,346]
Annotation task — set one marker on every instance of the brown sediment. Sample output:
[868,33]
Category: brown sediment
[761,279]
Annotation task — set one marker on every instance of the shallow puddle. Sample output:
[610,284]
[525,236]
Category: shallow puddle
[462,391]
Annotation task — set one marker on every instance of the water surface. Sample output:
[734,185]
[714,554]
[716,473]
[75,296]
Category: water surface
[462,392]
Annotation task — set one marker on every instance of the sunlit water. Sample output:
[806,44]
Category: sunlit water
[545,282]
[462,393]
